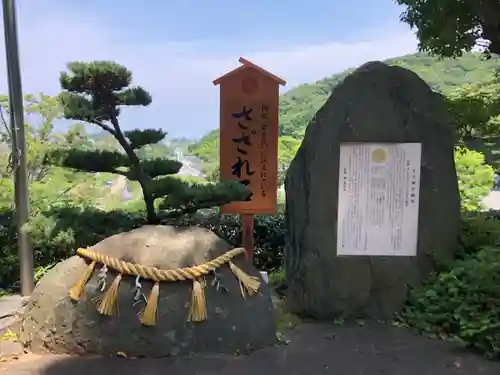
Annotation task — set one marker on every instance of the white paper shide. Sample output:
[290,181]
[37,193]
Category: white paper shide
[378,199]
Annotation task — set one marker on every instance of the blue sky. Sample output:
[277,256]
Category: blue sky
[176,48]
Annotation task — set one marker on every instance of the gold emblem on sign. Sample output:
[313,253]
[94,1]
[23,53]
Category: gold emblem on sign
[379,155]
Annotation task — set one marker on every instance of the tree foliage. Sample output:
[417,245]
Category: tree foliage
[475,178]
[287,148]
[207,149]
[95,92]
[449,27]
[475,109]
[41,111]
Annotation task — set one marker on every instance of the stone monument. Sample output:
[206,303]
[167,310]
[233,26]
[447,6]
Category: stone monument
[371,197]
[156,291]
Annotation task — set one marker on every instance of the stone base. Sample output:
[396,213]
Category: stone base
[55,323]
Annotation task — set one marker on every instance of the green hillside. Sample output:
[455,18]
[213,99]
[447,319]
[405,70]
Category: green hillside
[299,105]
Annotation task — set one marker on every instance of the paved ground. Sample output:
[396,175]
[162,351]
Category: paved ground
[313,349]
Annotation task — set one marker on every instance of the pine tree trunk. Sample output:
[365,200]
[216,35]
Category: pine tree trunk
[151,216]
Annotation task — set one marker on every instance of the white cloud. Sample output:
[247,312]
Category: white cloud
[179,75]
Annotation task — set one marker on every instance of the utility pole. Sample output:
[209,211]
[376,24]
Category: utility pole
[18,141]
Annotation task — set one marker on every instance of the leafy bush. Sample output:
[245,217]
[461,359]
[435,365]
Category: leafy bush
[475,178]
[462,303]
[60,229]
[269,236]
[479,230]
[55,234]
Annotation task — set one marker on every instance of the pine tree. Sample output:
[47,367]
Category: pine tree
[94,92]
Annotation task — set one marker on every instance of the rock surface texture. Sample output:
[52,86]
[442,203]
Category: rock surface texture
[380,104]
[11,310]
[54,323]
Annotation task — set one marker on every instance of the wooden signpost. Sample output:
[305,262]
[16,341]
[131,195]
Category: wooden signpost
[249,108]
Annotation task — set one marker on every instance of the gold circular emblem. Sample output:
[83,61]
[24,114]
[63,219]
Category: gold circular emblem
[379,155]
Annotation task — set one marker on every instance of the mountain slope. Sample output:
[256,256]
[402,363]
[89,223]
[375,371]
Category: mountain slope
[299,105]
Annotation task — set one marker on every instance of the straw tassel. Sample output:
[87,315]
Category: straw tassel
[148,315]
[249,285]
[198,308]
[108,302]
[76,292]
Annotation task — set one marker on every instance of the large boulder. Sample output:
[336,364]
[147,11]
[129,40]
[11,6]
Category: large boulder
[377,103]
[55,323]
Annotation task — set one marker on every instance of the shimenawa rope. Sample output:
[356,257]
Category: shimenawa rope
[249,285]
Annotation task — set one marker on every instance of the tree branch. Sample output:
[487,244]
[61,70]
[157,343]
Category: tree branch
[120,137]
[152,217]
[105,127]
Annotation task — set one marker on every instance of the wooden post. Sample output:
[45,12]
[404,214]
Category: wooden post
[249,107]
[247,234]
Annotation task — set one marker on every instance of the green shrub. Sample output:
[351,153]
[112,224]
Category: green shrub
[478,230]
[57,231]
[462,303]
[475,178]
[269,236]
[269,232]
[55,234]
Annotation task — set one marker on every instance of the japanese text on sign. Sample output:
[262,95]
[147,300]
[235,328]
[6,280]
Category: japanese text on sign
[264,115]
[242,168]
[378,199]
